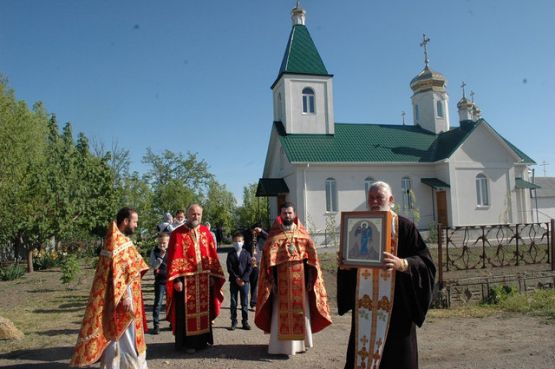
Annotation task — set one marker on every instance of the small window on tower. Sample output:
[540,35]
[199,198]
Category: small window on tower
[416,114]
[308,100]
[439,106]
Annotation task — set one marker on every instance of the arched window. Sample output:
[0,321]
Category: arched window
[439,108]
[367,183]
[308,100]
[331,195]
[416,114]
[482,193]
[406,187]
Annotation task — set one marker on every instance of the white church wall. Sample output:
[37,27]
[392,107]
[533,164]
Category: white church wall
[351,192]
[483,154]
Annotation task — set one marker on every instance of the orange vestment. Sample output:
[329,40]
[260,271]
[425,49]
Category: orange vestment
[290,253]
[120,265]
[192,255]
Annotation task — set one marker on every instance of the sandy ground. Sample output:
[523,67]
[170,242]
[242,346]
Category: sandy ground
[500,341]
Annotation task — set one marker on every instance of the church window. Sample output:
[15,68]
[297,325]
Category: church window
[331,195]
[416,114]
[439,106]
[367,183]
[308,100]
[482,192]
[406,188]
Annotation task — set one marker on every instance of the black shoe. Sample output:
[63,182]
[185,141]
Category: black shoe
[246,326]
[156,330]
[233,326]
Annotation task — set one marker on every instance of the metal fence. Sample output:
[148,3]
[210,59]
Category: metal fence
[494,246]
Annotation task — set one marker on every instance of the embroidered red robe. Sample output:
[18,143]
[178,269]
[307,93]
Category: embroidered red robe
[192,255]
[120,265]
[289,253]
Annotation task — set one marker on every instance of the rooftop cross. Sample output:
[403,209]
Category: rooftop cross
[403,115]
[463,86]
[424,44]
[472,95]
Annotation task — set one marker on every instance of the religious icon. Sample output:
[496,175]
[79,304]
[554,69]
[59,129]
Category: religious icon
[364,238]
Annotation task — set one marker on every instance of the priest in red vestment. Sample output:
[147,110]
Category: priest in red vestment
[113,325]
[292,301]
[195,280]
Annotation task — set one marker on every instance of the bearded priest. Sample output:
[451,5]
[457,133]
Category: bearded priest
[195,280]
[383,326]
[113,326]
[292,301]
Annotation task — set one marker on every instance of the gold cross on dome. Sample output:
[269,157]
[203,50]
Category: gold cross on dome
[424,44]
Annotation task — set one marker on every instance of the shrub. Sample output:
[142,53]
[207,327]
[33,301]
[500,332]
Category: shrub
[43,259]
[499,294]
[538,302]
[12,272]
[70,269]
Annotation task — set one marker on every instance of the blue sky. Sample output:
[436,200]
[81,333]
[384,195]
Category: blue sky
[195,75]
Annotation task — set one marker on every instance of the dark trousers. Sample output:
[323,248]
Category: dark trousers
[243,292]
[254,286]
[159,295]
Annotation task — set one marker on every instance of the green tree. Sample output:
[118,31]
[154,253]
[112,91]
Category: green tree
[175,180]
[220,206]
[254,209]
[190,170]
[22,154]
[136,193]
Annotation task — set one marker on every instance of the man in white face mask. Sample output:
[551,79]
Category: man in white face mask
[239,267]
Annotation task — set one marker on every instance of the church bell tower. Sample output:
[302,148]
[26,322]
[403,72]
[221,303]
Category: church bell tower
[303,89]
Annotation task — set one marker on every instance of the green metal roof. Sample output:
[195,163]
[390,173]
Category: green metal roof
[356,143]
[301,55]
[521,183]
[435,183]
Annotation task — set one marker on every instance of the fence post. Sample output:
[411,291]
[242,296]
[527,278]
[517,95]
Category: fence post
[517,237]
[446,250]
[440,255]
[483,247]
[552,244]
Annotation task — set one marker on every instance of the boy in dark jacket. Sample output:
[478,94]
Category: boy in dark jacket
[158,264]
[239,268]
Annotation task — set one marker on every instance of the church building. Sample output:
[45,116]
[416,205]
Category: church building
[454,175]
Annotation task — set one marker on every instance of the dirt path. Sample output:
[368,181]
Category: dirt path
[502,341]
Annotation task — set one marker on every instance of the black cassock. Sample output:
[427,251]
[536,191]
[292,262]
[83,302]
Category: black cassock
[413,294]
[197,342]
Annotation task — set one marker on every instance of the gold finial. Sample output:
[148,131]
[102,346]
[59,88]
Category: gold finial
[424,44]
[463,86]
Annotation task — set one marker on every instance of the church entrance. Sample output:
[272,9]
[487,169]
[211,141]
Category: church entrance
[441,201]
